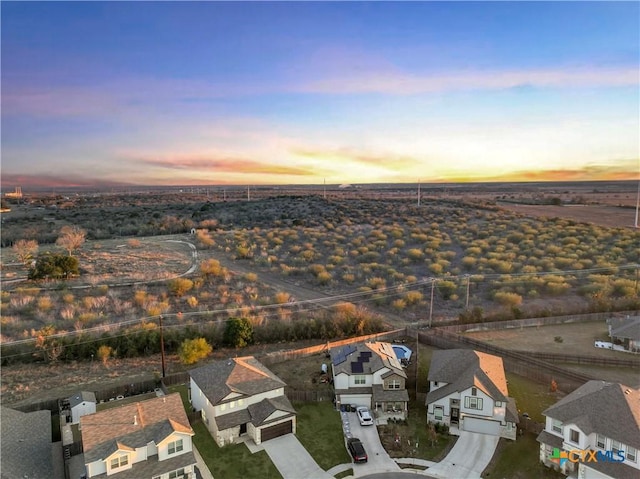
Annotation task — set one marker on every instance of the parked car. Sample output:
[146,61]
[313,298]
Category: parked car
[364,416]
[356,449]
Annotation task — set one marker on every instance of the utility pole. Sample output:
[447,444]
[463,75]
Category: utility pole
[162,346]
[433,282]
[324,190]
[466,306]
[248,194]
[637,204]
[418,192]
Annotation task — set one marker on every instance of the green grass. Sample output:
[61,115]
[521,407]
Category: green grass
[519,460]
[319,429]
[531,397]
[233,461]
[347,473]
[183,389]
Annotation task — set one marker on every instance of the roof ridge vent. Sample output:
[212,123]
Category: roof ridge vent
[627,391]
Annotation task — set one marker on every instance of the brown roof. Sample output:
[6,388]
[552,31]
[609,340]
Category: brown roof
[463,368]
[132,425]
[245,376]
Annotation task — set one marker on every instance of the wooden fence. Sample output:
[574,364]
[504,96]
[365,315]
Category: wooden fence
[308,395]
[530,322]
[281,356]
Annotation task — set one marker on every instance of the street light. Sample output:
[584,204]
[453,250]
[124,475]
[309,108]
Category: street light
[433,282]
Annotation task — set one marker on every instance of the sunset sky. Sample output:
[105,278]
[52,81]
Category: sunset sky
[194,93]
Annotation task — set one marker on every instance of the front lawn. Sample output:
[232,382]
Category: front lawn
[409,438]
[233,461]
[319,430]
[519,460]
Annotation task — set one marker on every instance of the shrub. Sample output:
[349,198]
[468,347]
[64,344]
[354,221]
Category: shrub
[193,350]
[180,286]
[508,299]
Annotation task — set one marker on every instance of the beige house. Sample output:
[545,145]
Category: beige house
[145,440]
[370,374]
[241,397]
[468,392]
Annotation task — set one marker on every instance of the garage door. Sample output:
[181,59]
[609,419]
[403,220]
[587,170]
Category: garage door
[484,426]
[275,431]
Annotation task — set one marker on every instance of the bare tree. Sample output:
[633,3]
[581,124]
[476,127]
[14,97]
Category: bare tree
[71,238]
[25,250]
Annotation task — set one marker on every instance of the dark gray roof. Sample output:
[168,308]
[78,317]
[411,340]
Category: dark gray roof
[365,358]
[619,470]
[628,328]
[388,395]
[152,467]
[82,396]
[611,409]
[262,410]
[551,439]
[245,376]
[233,419]
[512,411]
[26,444]
[463,368]
[362,390]
[256,414]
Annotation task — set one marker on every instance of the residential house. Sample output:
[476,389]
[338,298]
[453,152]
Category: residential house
[144,440]
[468,392]
[625,332]
[370,374]
[81,404]
[26,447]
[239,397]
[589,429]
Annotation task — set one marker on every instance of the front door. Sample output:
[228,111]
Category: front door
[455,413]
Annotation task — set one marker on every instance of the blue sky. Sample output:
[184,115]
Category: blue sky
[99,93]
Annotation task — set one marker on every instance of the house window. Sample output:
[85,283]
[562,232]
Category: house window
[176,474]
[393,384]
[498,403]
[223,407]
[119,461]
[615,446]
[556,426]
[360,379]
[632,453]
[204,416]
[435,383]
[240,402]
[474,391]
[438,412]
[232,404]
[472,403]
[601,441]
[574,436]
[175,446]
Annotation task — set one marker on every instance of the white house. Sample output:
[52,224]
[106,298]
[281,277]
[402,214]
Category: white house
[468,392]
[145,440]
[240,396]
[370,374]
[81,404]
[594,432]
[625,332]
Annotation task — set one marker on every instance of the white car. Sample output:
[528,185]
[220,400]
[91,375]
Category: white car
[364,416]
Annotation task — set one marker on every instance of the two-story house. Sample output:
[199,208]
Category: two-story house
[144,440]
[594,432]
[468,392]
[240,396]
[370,374]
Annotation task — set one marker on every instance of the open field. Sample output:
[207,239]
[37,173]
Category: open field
[603,215]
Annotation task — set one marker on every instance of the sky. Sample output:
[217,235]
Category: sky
[244,93]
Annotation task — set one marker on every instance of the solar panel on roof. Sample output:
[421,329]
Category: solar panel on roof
[366,354]
[356,367]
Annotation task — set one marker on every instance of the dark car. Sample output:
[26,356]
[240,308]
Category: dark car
[357,450]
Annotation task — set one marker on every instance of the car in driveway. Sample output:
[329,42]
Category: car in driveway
[356,449]
[364,416]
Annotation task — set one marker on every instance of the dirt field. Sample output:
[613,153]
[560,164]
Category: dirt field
[600,215]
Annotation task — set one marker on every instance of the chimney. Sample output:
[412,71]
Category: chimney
[135,419]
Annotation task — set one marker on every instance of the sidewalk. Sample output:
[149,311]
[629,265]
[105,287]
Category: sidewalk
[202,467]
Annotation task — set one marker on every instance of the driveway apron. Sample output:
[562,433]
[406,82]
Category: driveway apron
[468,458]
[292,459]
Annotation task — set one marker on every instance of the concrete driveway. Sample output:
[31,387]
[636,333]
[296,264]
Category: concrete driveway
[292,459]
[468,458]
[379,460]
